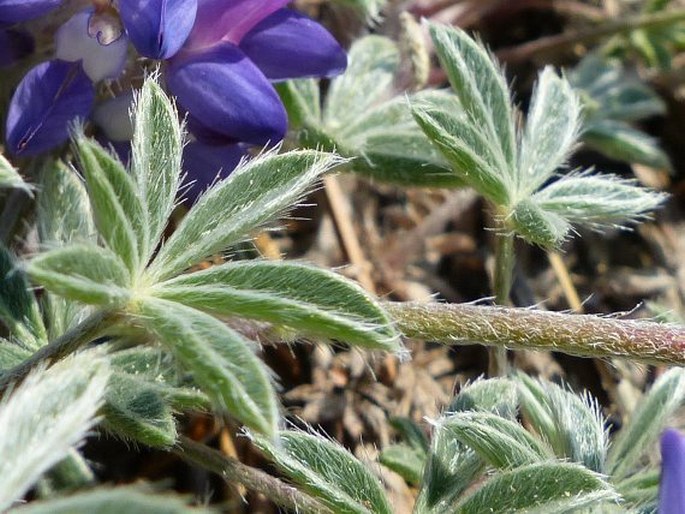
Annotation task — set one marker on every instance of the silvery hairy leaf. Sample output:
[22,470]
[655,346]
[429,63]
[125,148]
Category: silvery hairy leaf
[84,272]
[552,128]
[572,424]
[405,460]
[112,501]
[646,423]
[502,443]
[313,301]
[45,416]
[328,471]
[63,216]
[254,193]
[482,90]
[223,362]
[9,177]
[557,487]
[116,206]
[597,201]
[157,148]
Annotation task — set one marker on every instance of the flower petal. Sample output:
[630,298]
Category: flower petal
[48,99]
[219,20]
[288,45]
[73,42]
[113,117]
[158,28]
[672,487]
[13,11]
[206,164]
[228,94]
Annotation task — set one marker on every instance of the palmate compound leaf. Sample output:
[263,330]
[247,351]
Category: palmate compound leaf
[482,90]
[452,466]
[112,501]
[84,272]
[542,487]
[19,310]
[156,149]
[363,119]
[116,206]
[328,471]
[572,424]
[313,301]
[637,437]
[254,193]
[502,443]
[223,362]
[45,416]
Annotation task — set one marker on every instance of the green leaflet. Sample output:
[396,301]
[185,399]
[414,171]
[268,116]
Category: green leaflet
[500,442]
[222,361]
[482,90]
[64,216]
[597,200]
[9,177]
[157,149]
[571,424]
[116,206]
[254,193]
[620,141]
[552,129]
[45,416]
[311,300]
[328,471]
[112,501]
[542,487]
[87,273]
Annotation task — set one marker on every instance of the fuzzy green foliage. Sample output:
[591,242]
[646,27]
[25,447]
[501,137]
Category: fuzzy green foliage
[514,167]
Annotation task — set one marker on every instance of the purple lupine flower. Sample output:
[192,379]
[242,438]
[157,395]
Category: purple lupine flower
[221,59]
[222,75]
[672,484]
[52,95]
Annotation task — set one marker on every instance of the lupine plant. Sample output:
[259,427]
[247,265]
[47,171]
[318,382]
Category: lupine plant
[116,323]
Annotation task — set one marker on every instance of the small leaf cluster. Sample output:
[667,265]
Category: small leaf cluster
[503,445]
[514,167]
[105,258]
[363,120]
[613,99]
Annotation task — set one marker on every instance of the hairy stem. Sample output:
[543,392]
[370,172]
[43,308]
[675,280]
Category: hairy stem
[553,44]
[83,333]
[502,279]
[575,334]
[232,470]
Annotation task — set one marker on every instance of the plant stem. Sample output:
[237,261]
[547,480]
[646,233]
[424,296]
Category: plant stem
[232,470]
[83,333]
[575,334]
[551,44]
[502,279]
